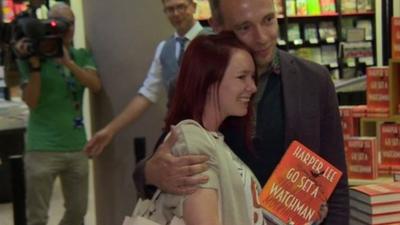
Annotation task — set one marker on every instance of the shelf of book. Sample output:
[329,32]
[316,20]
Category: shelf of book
[344,22]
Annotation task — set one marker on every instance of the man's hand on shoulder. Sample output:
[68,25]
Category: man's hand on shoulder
[172,174]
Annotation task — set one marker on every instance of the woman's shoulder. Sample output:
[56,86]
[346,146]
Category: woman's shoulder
[194,137]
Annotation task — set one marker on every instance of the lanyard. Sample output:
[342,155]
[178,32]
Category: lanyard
[73,88]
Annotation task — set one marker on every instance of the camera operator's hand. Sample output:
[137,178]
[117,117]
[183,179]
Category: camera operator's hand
[34,64]
[22,47]
[65,59]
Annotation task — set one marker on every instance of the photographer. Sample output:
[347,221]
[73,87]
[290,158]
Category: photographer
[53,89]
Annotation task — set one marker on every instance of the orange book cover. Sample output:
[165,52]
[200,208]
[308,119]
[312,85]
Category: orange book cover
[361,157]
[300,183]
[377,88]
[390,144]
[395,37]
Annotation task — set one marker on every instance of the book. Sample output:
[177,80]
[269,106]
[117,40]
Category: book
[378,89]
[367,26]
[349,6]
[347,23]
[390,144]
[376,193]
[355,34]
[300,183]
[357,49]
[375,219]
[364,6]
[312,54]
[290,7]
[329,55]
[355,221]
[293,32]
[361,157]
[385,169]
[327,7]
[313,7]
[327,30]
[373,209]
[310,32]
[396,39]
[301,7]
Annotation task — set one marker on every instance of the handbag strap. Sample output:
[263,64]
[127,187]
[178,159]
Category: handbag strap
[144,206]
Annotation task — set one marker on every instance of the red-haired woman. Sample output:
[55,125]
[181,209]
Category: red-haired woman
[214,89]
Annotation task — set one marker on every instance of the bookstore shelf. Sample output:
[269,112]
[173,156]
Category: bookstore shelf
[308,28]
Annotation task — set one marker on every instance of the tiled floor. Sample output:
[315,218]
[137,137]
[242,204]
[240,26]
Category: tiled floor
[56,207]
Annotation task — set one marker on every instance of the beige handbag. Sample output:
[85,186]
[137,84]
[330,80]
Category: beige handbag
[151,212]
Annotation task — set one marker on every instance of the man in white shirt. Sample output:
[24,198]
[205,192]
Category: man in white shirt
[163,71]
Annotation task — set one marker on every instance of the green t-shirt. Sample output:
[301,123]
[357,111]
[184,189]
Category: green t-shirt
[52,125]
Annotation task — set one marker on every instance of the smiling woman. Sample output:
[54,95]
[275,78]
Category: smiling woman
[214,89]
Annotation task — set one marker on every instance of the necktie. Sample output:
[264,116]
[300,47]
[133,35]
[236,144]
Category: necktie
[181,41]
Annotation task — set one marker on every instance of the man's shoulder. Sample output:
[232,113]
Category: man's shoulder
[285,56]
[303,67]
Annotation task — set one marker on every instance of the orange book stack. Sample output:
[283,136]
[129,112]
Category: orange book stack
[375,204]
[378,92]
[361,157]
[300,183]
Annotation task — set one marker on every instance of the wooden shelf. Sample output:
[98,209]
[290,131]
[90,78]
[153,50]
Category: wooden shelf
[313,16]
[359,14]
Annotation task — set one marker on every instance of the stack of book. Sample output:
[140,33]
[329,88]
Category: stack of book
[375,204]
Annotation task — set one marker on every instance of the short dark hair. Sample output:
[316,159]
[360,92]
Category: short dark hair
[216,11]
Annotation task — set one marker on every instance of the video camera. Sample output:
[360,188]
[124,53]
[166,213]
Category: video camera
[44,37]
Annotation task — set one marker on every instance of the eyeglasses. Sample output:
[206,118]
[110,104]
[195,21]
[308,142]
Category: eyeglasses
[178,8]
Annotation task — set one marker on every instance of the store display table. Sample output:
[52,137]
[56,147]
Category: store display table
[12,128]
